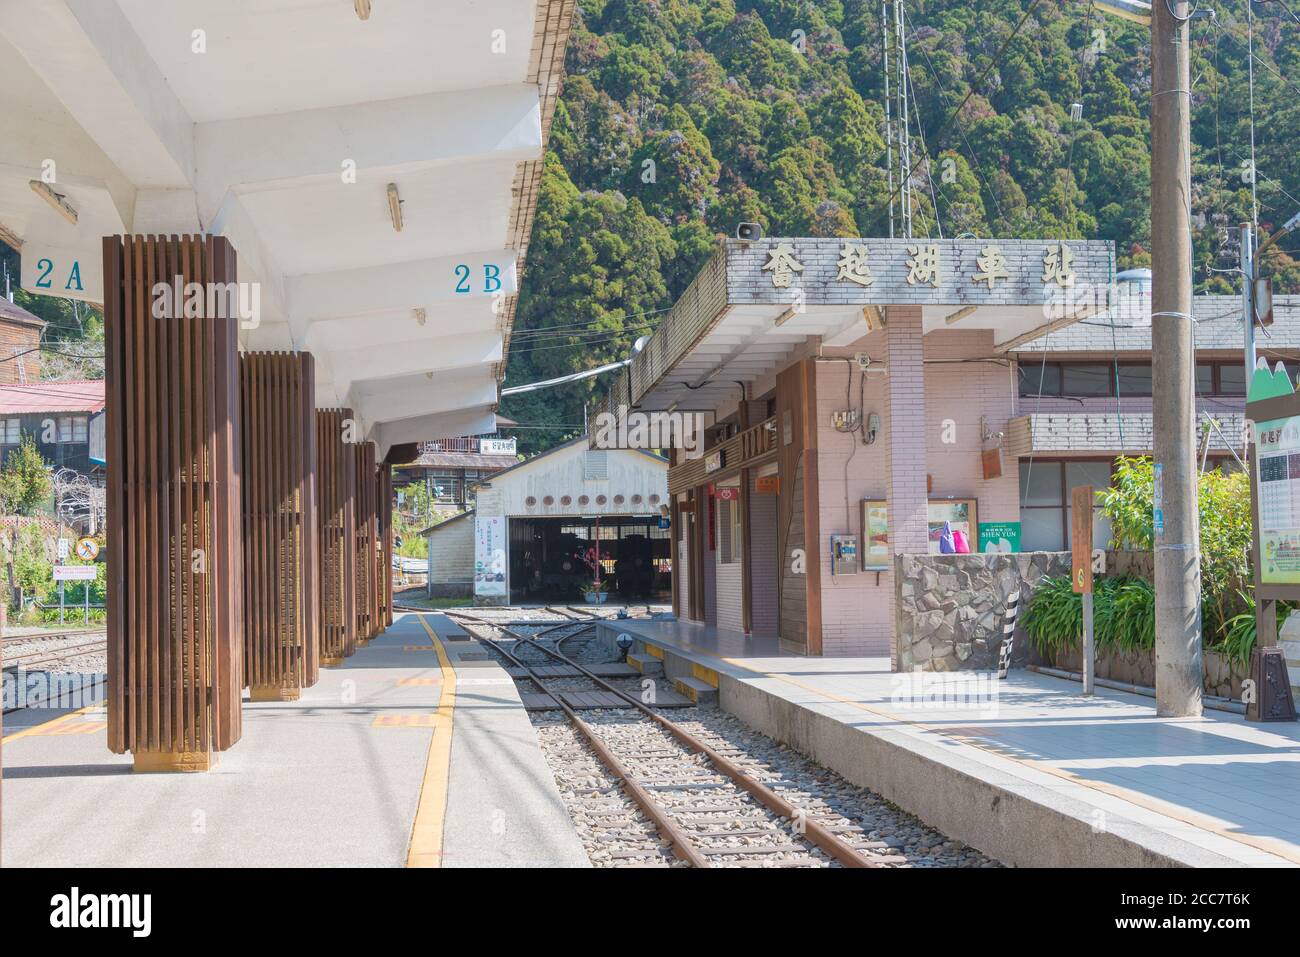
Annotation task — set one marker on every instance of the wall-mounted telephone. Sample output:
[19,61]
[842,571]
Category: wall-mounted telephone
[844,554]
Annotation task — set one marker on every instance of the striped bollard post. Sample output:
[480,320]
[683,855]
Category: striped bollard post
[1008,635]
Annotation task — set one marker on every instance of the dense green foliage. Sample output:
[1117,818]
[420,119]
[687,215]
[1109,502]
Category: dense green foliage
[738,120]
[25,483]
[1123,616]
[1225,524]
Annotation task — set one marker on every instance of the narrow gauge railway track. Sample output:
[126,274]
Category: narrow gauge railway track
[53,635]
[700,808]
[51,656]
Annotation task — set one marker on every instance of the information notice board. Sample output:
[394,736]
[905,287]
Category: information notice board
[1277,476]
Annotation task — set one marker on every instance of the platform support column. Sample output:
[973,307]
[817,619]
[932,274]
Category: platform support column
[175,611]
[367,605]
[384,506]
[336,481]
[908,491]
[281,637]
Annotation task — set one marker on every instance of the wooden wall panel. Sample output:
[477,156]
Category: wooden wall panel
[281,642]
[336,481]
[798,526]
[173,439]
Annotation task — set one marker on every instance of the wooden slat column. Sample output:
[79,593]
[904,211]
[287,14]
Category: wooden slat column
[175,611]
[367,592]
[281,637]
[384,506]
[336,481]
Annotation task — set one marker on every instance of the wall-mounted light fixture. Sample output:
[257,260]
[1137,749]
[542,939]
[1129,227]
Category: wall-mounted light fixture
[56,200]
[394,207]
[362,8]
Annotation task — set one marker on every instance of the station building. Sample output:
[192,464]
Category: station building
[546,529]
[862,398]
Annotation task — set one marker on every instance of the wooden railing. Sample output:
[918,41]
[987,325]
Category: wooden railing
[462,444]
[746,448]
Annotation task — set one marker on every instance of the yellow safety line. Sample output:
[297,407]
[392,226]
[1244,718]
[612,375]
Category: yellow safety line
[45,726]
[426,833]
[1186,815]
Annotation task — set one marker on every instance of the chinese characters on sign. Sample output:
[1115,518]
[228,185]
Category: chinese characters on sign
[924,265]
[783,265]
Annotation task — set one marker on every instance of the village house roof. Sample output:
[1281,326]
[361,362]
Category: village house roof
[81,395]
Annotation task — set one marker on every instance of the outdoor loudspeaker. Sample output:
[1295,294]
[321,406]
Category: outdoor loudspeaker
[749,232]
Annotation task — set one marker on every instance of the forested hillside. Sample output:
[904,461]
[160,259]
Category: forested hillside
[681,118]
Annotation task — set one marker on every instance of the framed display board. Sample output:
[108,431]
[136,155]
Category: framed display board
[962,514]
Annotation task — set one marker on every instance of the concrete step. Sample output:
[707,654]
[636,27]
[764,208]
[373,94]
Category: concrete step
[646,664]
[701,692]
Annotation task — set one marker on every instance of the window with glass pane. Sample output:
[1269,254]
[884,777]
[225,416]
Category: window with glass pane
[1041,530]
[1232,379]
[1204,378]
[79,429]
[1085,380]
[65,428]
[1034,375]
[13,431]
[1134,380]
[1040,483]
[1096,474]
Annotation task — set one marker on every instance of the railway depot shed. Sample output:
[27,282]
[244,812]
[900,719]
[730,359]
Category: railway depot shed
[548,528]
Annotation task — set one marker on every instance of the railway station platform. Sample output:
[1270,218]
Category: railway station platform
[416,751]
[1026,770]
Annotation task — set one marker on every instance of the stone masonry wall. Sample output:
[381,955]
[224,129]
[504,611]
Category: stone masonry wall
[950,609]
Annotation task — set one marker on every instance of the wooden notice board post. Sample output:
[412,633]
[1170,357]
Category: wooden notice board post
[1081,569]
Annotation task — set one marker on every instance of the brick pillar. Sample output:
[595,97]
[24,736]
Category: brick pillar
[905,452]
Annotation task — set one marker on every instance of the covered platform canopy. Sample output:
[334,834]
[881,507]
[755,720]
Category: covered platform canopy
[375,167]
[756,306]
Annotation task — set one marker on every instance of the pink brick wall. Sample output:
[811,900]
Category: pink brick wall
[857,613]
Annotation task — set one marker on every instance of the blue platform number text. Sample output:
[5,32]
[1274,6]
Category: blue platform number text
[491,278]
[46,267]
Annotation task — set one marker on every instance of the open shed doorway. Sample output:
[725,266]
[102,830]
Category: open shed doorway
[552,559]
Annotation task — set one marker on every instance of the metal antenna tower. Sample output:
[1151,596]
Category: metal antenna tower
[898,145]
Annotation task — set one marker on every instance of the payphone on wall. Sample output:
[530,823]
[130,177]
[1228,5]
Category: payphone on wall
[844,554]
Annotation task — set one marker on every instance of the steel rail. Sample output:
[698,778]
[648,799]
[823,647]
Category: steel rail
[56,654]
[673,834]
[818,835]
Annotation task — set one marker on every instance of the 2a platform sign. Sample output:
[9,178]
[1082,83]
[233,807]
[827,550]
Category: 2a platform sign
[63,271]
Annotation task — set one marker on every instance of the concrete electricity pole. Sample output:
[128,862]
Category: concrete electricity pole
[1179,679]
[1177,549]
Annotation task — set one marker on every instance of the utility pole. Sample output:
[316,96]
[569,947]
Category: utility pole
[1177,533]
[1179,680]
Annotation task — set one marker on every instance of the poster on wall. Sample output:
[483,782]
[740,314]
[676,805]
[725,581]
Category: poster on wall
[959,514]
[999,536]
[489,556]
[1277,463]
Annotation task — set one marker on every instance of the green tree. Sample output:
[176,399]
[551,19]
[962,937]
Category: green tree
[25,479]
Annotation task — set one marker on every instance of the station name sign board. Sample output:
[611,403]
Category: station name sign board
[1012,272]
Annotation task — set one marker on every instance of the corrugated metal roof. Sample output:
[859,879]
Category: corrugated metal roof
[82,395]
[461,460]
[1218,326]
[11,312]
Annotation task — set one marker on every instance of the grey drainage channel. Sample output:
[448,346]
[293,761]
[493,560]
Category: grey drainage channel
[1209,700]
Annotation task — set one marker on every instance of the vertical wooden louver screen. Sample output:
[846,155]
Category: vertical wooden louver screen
[336,480]
[384,504]
[367,606]
[281,641]
[173,445]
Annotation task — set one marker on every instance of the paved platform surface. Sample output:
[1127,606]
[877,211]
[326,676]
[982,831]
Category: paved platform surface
[334,779]
[1028,769]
